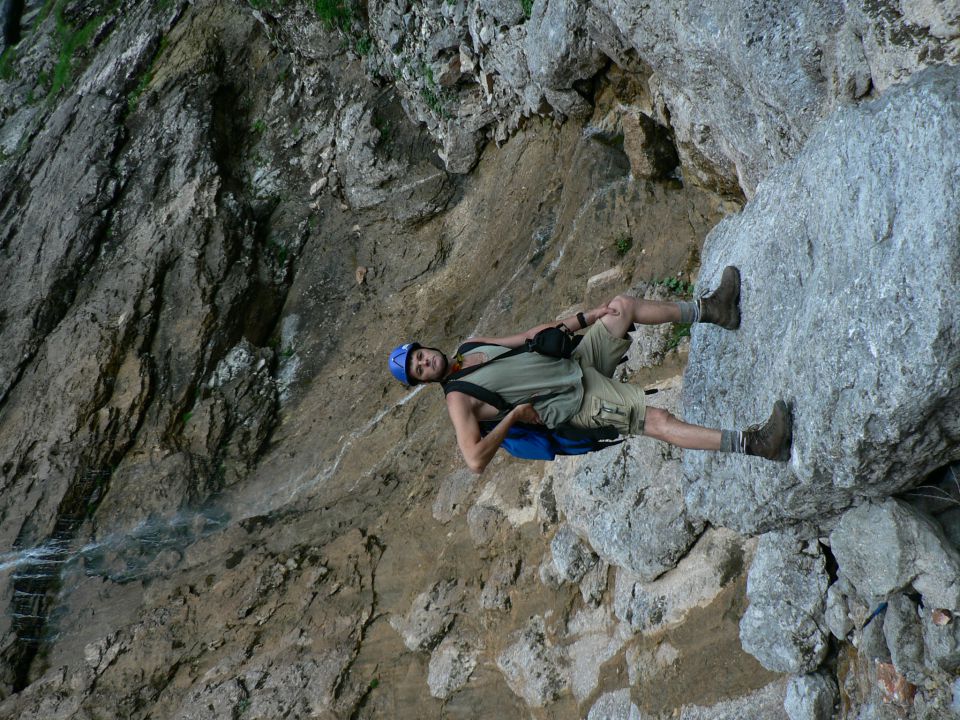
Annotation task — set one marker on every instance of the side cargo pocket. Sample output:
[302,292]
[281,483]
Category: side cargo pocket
[605,412]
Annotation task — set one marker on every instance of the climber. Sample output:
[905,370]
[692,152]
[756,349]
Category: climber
[556,388]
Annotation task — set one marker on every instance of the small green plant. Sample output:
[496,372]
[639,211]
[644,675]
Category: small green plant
[677,333]
[335,14]
[6,63]
[527,6]
[259,126]
[432,95]
[186,417]
[288,352]
[362,44]
[623,244]
[374,684]
[676,286]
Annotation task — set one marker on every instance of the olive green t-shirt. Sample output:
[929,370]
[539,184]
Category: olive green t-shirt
[527,376]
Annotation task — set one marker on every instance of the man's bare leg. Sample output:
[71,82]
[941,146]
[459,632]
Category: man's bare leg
[661,425]
[626,310]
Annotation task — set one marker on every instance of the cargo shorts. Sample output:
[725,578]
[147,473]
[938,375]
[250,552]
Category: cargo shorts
[607,402]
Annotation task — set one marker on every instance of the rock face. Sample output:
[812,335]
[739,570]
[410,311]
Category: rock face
[475,69]
[217,216]
[875,402]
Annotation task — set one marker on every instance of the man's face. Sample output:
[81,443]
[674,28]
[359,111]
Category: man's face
[427,365]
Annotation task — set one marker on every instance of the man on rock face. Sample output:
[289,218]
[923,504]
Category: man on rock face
[577,391]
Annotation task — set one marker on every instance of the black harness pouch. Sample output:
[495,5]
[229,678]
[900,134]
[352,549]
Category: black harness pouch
[555,342]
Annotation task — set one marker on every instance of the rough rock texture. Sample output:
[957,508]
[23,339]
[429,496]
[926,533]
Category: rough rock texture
[741,87]
[763,704]
[884,547]
[941,643]
[903,634]
[718,557]
[626,501]
[533,668]
[784,626]
[430,616]
[614,706]
[572,558]
[811,697]
[451,665]
[873,389]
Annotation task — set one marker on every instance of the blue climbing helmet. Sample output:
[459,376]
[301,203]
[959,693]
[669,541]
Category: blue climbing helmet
[398,362]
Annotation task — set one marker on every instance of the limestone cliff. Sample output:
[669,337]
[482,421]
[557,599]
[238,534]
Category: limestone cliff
[216,218]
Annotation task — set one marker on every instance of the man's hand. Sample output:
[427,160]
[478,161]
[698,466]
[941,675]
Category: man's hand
[598,312]
[526,413]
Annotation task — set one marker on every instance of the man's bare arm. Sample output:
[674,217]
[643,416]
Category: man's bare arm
[571,323]
[478,451]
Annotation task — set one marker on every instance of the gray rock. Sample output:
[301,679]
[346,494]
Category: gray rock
[558,48]
[871,643]
[506,12]
[627,502]
[503,574]
[594,583]
[950,522]
[884,547]
[941,643]
[871,414]
[786,587]
[533,668]
[571,556]
[451,665]
[811,697]
[430,616]
[453,493]
[718,558]
[903,634]
[763,704]
[615,705]
[371,180]
[484,522]
[837,614]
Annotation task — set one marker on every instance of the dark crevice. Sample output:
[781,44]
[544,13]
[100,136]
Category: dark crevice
[11,12]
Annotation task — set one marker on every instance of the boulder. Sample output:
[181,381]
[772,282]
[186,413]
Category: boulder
[503,574]
[627,502]
[763,704]
[784,625]
[451,665]
[532,666]
[883,547]
[811,697]
[558,48]
[876,405]
[903,634]
[430,616]
[941,643]
[718,558]
[837,614]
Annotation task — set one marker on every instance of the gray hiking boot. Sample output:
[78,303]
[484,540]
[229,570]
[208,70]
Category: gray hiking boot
[772,439]
[722,306]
